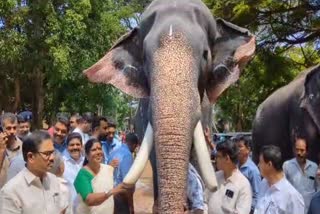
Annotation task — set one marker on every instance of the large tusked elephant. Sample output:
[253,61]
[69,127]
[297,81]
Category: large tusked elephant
[291,111]
[178,57]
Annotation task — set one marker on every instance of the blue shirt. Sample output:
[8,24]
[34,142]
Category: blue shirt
[125,158]
[304,181]
[279,198]
[195,189]
[315,204]
[108,148]
[61,147]
[251,172]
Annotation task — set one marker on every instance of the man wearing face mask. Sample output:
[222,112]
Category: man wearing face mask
[301,173]
[10,145]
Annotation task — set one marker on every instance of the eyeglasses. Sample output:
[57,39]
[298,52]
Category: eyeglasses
[47,154]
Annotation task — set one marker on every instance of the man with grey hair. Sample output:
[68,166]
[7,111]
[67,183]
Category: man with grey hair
[10,145]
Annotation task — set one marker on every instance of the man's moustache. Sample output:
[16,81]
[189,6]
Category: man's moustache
[75,150]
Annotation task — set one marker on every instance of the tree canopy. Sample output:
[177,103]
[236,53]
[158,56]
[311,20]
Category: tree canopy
[45,45]
[288,41]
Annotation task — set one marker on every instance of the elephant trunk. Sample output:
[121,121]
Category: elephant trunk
[175,105]
[172,140]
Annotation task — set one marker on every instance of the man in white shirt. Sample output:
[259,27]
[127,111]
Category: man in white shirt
[234,192]
[73,160]
[34,189]
[276,194]
[84,126]
[301,173]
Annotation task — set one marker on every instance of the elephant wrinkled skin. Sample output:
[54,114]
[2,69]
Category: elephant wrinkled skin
[177,58]
[291,111]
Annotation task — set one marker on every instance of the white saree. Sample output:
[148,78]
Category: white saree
[102,182]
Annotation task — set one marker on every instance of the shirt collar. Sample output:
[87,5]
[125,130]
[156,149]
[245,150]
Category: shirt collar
[234,177]
[246,164]
[16,145]
[60,147]
[308,163]
[69,158]
[279,184]
[112,143]
[30,177]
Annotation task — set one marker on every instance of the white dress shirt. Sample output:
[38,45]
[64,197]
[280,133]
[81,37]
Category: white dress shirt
[66,200]
[71,169]
[26,194]
[280,198]
[234,195]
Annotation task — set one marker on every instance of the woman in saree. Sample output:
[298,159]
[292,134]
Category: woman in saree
[94,183]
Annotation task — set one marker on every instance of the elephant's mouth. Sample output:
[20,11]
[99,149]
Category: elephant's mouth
[201,151]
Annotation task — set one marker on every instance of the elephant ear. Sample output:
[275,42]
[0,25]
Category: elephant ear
[310,99]
[233,48]
[122,66]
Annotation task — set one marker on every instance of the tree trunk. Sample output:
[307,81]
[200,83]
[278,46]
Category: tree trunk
[38,98]
[17,92]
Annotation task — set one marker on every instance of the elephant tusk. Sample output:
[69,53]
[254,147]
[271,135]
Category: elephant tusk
[142,157]
[203,158]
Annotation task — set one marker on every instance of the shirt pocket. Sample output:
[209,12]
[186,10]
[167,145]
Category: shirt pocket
[229,200]
[56,198]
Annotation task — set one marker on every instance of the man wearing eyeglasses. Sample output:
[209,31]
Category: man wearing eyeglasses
[34,189]
[10,145]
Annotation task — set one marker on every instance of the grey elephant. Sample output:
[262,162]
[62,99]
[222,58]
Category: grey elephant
[176,58]
[291,111]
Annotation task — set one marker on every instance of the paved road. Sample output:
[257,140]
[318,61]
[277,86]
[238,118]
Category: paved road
[143,196]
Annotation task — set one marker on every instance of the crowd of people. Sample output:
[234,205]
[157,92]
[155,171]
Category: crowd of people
[78,166]
[272,187]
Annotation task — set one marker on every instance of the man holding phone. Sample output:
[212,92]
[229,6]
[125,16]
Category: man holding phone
[10,145]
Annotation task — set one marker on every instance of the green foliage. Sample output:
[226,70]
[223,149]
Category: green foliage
[45,44]
[59,38]
[286,37]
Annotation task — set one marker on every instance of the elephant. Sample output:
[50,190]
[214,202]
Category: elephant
[290,112]
[177,57]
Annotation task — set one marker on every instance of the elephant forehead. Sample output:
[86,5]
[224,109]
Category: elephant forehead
[173,57]
[175,78]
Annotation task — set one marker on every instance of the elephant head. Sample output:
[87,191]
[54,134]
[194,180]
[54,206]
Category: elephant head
[178,55]
[310,99]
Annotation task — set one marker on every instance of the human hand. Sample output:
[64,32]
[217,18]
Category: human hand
[114,163]
[3,141]
[122,188]
[208,138]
